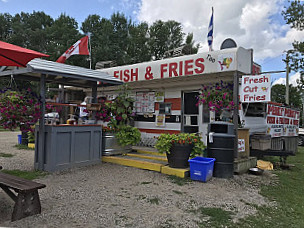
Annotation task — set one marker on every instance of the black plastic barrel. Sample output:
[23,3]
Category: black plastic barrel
[24,138]
[222,149]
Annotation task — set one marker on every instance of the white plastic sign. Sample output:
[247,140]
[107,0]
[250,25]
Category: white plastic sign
[255,88]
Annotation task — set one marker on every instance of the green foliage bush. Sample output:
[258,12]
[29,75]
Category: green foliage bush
[127,135]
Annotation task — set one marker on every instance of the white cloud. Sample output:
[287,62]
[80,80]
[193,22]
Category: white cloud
[252,24]
[4,1]
[292,80]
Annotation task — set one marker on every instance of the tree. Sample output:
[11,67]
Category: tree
[100,30]
[278,95]
[190,48]
[294,16]
[120,38]
[164,36]
[5,26]
[138,49]
[62,35]
[30,30]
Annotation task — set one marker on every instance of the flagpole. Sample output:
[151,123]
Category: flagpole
[90,56]
[210,32]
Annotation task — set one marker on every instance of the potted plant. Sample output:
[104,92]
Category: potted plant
[121,107]
[118,139]
[179,147]
[118,136]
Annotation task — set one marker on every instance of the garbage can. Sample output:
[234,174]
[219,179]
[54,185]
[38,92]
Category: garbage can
[220,145]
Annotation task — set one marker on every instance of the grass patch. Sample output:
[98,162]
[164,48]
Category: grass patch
[30,175]
[177,192]
[288,194]
[23,147]
[5,155]
[154,200]
[2,129]
[179,181]
[146,182]
[217,217]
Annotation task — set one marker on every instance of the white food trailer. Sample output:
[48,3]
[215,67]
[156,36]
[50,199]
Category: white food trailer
[165,90]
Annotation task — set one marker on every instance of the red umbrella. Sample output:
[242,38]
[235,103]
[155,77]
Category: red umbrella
[12,55]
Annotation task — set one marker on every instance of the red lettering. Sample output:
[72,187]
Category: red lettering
[296,122]
[255,79]
[173,69]
[163,69]
[181,68]
[116,74]
[270,120]
[134,74]
[248,98]
[126,76]
[188,66]
[200,65]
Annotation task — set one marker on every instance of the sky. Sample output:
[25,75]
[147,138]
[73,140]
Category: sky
[256,24]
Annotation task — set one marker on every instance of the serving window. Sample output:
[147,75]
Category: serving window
[165,108]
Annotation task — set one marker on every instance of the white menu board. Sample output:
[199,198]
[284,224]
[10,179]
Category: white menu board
[145,102]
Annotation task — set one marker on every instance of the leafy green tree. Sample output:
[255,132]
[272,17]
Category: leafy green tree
[278,93]
[5,26]
[120,38]
[190,47]
[164,36]
[30,30]
[63,34]
[138,49]
[101,43]
[294,16]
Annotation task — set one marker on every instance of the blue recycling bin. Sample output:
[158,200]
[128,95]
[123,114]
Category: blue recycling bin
[19,139]
[201,168]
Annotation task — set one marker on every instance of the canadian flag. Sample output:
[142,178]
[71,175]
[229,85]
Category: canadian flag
[79,48]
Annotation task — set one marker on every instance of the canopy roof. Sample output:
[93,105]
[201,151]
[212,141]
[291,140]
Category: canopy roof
[60,73]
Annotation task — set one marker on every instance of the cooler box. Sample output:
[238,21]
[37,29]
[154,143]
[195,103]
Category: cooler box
[201,169]
[260,142]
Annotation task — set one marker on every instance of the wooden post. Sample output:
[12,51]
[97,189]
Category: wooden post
[236,110]
[41,152]
[94,100]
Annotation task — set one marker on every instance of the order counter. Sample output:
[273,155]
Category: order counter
[67,146]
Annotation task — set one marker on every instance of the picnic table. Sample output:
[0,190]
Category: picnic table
[26,195]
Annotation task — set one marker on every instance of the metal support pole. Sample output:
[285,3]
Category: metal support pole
[236,110]
[41,143]
[287,80]
[94,92]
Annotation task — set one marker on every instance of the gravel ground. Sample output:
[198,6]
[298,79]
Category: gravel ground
[109,195]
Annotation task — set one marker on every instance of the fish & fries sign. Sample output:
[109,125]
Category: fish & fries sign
[202,63]
[255,88]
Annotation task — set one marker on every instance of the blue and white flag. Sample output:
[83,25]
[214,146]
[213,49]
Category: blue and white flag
[210,32]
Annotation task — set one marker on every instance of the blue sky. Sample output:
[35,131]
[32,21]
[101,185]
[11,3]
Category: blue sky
[255,24]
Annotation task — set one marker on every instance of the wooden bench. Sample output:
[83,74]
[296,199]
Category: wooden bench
[26,199]
[283,154]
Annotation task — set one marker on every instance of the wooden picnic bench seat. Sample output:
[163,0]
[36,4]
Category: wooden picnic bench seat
[26,199]
[283,154]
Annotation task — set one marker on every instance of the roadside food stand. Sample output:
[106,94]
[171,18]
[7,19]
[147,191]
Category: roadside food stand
[63,146]
[165,90]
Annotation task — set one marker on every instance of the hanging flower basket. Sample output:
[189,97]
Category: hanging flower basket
[218,97]
[19,109]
